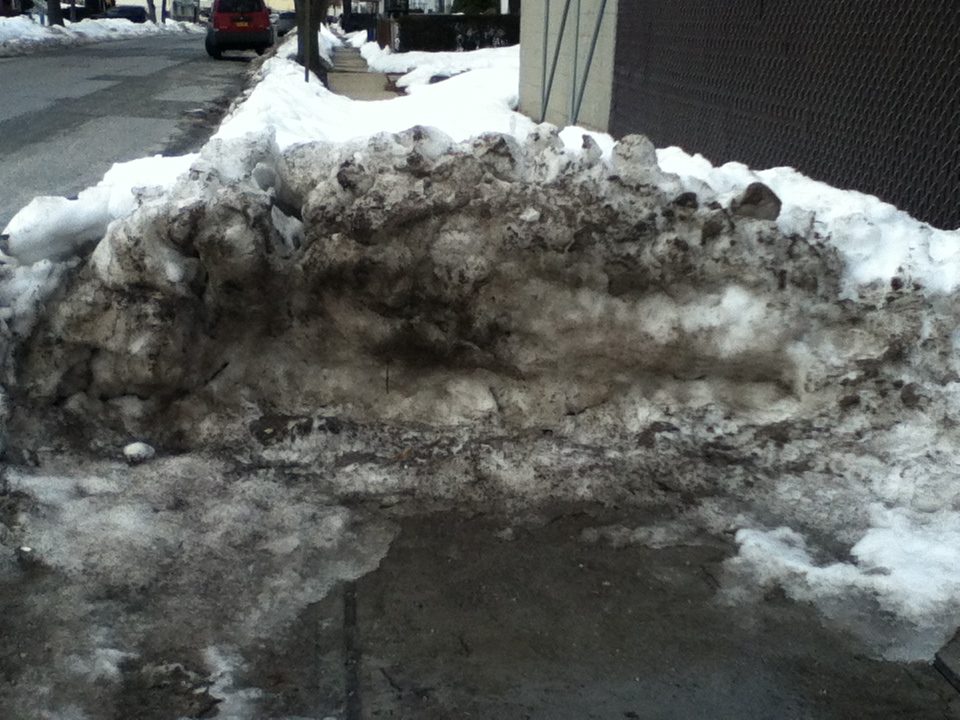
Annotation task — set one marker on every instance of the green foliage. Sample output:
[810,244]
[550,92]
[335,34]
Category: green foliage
[475,7]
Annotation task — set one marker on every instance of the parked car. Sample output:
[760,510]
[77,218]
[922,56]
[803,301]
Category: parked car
[286,21]
[133,13]
[239,25]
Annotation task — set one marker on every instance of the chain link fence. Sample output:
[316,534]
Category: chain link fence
[862,94]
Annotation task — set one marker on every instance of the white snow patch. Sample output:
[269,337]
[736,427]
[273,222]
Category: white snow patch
[138,452]
[421,67]
[908,562]
[355,39]
[236,702]
[53,228]
[22,33]
[463,107]
[327,43]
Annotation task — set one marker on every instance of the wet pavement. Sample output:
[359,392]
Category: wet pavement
[174,590]
[471,618]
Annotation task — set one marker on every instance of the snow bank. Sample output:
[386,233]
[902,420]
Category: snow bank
[22,33]
[419,68]
[878,241]
[610,313]
[327,43]
[54,228]
[465,106]
[23,29]
[519,285]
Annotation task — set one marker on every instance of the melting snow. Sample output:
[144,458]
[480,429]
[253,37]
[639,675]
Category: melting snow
[908,559]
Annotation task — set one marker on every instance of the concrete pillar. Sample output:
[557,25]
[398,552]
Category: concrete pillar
[582,76]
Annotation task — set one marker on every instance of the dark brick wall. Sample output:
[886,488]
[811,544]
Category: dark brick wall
[862,94]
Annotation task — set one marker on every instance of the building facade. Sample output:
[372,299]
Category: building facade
[567,61]
[859,95]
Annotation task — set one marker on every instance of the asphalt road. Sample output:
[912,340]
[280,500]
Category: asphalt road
[68,114]
[464,619]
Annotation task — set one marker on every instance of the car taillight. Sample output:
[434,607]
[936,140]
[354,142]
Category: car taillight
[261,21]
[220,22]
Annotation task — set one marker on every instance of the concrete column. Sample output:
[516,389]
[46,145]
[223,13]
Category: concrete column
[580,64]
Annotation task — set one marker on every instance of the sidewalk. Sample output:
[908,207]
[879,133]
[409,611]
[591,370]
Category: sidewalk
[352,78]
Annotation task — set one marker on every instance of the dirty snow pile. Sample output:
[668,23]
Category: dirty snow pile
[23,33]
[434,298]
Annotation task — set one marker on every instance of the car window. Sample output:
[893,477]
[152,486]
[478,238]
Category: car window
[240,6]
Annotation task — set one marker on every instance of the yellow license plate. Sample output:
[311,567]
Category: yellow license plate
[243,24]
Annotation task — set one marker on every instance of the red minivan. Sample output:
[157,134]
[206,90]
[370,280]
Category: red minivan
[238,25]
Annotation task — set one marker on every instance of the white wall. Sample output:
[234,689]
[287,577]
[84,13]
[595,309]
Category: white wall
[575,68]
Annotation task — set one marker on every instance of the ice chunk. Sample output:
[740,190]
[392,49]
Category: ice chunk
[138,452]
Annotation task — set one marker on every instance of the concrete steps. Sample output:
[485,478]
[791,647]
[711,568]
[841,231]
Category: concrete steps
[349,60]
[351,77]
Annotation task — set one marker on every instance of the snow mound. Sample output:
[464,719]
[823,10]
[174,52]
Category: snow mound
[500,319]
[516,317]
[23,34]
[420,68]
[468,105]
[55,228]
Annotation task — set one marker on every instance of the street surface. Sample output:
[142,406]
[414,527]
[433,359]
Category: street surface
[68,114]
[474,618]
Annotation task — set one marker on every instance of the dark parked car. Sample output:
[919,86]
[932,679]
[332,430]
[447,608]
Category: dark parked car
[286,21]
[239,25]
[133,13]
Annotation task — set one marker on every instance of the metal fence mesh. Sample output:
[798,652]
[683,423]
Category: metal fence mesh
[862,94]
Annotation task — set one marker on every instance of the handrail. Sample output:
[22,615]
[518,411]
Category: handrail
[543,64]
[306,41]
[556,58]
[593,47]
[576,58]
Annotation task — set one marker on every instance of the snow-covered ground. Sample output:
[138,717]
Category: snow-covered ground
[877,240]
[23,33]
[904,529]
